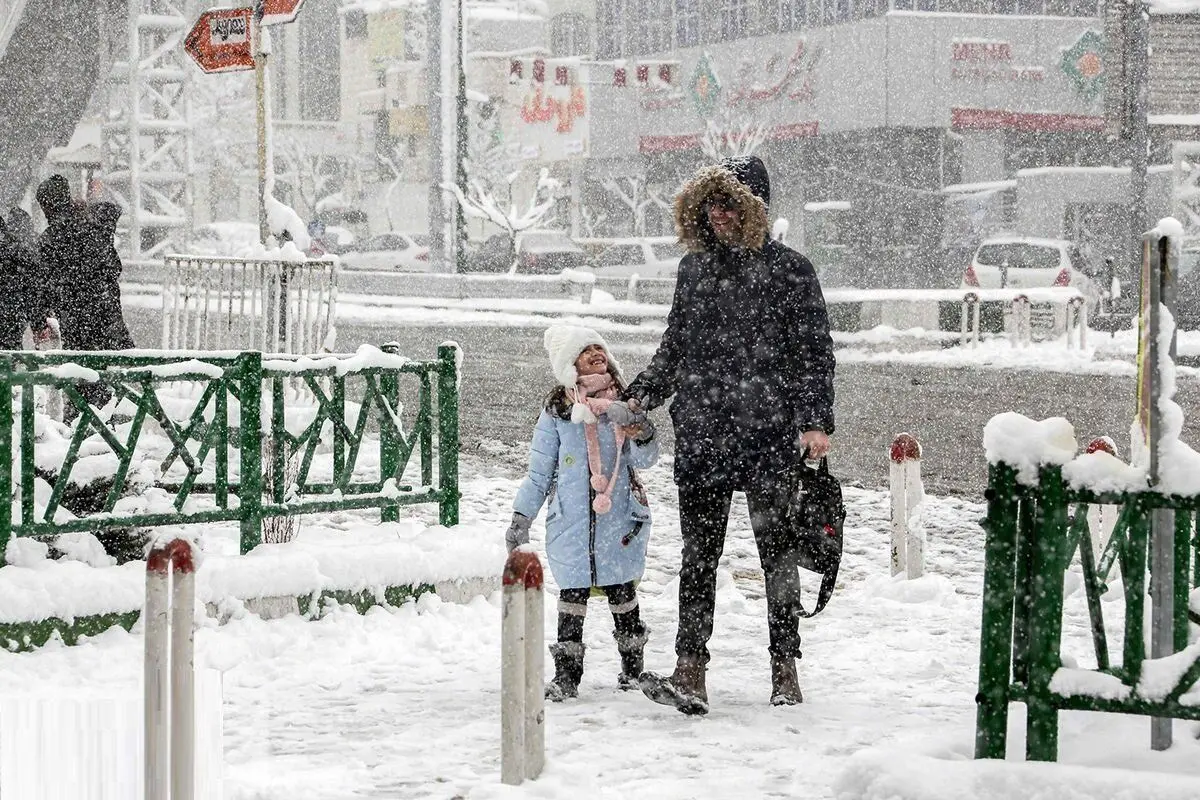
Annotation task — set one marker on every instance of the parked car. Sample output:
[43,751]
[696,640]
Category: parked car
[656,257]
[1026,262]
[1187,291]
[400,251]
[223,239]
[536,253]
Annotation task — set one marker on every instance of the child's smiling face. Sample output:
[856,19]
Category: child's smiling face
[592,361]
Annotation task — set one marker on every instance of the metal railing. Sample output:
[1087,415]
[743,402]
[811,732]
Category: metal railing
[198,428]
[1033,533]
[216,303]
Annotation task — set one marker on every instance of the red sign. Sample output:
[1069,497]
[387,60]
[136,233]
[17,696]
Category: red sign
[278,12]
[220,40]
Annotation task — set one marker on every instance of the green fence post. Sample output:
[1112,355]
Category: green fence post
[1183,529]
[28,444]
[389,439]
[6,452]
[1045,621]
[1023,594]
[250,480]
[448,434]
[995,641]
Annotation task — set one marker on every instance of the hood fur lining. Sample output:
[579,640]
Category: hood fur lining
[691,223]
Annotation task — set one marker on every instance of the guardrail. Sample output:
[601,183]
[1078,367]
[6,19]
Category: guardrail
[202,447]
[217,303]
[1033,533]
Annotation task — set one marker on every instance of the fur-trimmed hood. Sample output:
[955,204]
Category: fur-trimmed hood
[744,180]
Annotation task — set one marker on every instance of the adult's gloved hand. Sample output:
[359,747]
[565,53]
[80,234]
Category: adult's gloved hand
[642,432]
[518,531]
[621,414]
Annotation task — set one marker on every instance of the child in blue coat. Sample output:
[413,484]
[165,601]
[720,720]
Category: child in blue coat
[585,449]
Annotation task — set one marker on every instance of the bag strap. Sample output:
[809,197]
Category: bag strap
[826,592]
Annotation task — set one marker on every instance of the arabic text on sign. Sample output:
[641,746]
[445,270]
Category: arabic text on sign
[227,30]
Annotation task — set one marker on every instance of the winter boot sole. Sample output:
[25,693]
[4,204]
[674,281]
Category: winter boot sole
[662,691]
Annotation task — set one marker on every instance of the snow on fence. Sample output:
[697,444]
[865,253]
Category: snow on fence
[209,437]
[908,497]
[522,699]
[277,306]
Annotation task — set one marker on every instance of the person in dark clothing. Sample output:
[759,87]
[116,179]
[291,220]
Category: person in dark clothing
[83,273]
[748,358]
[82,268]
[21,301]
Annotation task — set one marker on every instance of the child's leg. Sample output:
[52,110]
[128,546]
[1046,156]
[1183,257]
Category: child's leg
[568,651]
[629,631]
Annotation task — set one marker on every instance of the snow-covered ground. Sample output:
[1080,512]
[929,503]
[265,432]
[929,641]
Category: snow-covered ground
[404,703]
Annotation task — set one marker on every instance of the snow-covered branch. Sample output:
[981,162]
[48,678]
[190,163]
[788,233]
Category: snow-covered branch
[732,136]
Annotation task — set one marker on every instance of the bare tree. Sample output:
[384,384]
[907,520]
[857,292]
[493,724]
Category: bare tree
[305,170]
[732,135]
[479,201]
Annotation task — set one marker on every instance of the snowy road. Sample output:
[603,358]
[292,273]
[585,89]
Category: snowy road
[405,703]
[946,407]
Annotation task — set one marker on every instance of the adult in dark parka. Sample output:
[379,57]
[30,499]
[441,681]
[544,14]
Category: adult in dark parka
[21,301]
[748,358]
[82,268]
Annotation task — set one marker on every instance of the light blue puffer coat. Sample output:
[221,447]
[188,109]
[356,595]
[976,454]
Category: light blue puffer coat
[585,548]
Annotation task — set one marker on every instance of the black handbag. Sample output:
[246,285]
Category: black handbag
[815,520]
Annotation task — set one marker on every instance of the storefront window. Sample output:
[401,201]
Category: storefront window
[789,15]
[654,27]
[569,35]
[735,17]
[687,23]
[609,30]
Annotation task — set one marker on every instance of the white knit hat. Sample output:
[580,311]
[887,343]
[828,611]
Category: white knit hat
[564,343]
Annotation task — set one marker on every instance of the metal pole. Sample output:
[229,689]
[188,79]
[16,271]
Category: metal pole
[183,665]
[433,69]
[155,769]
[260,96]
[1162,530]
[460,149]
[1137,44]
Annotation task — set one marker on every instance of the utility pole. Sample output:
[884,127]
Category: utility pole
[441,63]
[460,152]
[1137,55]
[262,50]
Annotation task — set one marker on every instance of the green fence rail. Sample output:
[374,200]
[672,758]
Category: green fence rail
[1033,534]
[242,441]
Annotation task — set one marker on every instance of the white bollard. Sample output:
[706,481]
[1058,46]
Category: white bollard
[1102,520]
[970,320]
[908,495]
[1076,323]
[170,712]
[1022,322]
[522,670]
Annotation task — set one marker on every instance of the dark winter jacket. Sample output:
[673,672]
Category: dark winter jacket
[82,268]
[747,353]
[21,278]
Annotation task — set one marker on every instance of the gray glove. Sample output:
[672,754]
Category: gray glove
[647,432]
[619,414]
[518,531]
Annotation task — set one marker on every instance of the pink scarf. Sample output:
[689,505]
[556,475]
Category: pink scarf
[593,394]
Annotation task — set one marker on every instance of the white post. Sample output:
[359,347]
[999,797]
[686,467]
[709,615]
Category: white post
[1022,321]
[170,712]
[522,712]
[1102,520]
[908,494]
[970,319]
[631,293]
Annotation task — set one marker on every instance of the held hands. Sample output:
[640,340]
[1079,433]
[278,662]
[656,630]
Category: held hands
[518,531]
[816,443]
[626,414]
[641,433]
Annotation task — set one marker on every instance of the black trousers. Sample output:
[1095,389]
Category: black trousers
[703,519]
[622,602]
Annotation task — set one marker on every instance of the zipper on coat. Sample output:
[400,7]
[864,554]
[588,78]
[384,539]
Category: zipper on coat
[592,534]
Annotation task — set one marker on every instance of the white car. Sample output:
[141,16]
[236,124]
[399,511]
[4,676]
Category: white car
[1021,262]
[230,239]
[656,257]
[390,251]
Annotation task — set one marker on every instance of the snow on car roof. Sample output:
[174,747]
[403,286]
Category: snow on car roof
[1033,240]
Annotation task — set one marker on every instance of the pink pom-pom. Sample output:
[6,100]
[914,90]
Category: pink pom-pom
[602,504]
[598,483]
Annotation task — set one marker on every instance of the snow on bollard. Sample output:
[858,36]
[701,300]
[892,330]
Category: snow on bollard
[170,700]
[522,699]
[1102,520]
[1022,317]
[1077,323]
[908,496]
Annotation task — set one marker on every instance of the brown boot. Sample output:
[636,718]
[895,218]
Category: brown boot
[685,688]
[785,686]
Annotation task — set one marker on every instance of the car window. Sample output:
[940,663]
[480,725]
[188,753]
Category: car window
[1018,255]
[420,239]
[620,254]
[388,241]
[668,251]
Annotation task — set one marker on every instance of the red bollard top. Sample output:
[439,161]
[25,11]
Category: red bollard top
[1102,444]
[175,555]
[523,567]
[905,447]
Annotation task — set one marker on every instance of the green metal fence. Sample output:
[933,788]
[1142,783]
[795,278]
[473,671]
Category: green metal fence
[1033,534]
[239,445]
